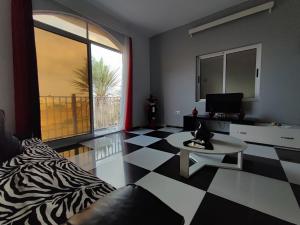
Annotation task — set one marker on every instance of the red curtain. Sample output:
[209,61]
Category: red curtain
[27,108]
[128,111]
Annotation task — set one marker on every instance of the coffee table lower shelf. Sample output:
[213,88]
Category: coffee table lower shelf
[186,170]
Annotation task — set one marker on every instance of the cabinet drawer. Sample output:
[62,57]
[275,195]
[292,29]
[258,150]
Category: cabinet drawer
[288,139]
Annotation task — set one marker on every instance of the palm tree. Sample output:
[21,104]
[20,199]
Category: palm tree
[104,79]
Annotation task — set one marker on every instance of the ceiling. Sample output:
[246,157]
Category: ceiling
[157,16]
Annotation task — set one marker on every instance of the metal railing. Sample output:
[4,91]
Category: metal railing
[106,112]
[66,116]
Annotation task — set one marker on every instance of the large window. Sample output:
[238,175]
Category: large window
[232,71]
[80,76]
[64,112]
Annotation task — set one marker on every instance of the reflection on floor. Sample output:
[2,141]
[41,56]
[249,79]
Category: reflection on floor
[267,191]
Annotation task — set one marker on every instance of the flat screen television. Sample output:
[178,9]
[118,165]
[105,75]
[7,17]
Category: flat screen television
[224,103]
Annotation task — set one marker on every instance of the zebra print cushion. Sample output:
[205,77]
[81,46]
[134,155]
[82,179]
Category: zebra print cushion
[40,187]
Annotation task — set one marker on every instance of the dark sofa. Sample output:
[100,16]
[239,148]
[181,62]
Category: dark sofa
[130,205]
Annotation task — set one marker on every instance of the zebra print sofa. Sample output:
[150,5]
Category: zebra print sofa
[40,187]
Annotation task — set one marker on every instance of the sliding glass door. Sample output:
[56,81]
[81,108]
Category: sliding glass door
[107,88]
[63,84]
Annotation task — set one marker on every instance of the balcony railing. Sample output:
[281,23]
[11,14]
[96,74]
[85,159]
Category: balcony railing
[66,116]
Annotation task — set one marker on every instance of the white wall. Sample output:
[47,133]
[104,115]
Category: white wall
[6,66]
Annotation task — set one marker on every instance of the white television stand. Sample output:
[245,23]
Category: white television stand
[265,133]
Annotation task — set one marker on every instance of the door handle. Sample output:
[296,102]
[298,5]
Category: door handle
[288,138]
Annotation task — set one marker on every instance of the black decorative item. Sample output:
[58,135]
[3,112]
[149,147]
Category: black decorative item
[195,112]
[152,111]
[202,136]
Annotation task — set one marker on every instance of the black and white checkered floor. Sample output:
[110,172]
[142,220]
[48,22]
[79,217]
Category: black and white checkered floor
[267,191]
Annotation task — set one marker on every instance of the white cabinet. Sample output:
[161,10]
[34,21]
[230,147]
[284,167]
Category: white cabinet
[285,136]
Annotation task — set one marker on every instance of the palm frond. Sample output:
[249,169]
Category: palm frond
[104,79]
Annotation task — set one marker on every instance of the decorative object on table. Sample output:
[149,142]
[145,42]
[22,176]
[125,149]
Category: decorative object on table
[152,111]
[195,112]
[211,114]
[201,139]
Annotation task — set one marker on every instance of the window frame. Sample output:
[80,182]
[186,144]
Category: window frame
[54,29]
[258,48]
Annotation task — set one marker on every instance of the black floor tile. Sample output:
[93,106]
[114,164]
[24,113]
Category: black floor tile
[296,190]
[128,148]
[215,210]
[259,165]
[131,173]
[158,134]
[288,155]
[163,145]
[201,179]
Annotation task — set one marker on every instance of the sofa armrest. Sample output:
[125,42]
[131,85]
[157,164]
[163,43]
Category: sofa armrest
[131,205]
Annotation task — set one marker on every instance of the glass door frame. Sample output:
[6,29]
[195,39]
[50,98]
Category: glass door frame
[91,77]
[77,138]
[85,41]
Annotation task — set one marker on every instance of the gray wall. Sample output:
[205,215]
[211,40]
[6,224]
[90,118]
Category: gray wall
[141,71]
[173,62]
[6,67]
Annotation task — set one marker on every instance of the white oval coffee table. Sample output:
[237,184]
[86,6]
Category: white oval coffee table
[223,145]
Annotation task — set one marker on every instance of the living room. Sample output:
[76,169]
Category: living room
[179,112]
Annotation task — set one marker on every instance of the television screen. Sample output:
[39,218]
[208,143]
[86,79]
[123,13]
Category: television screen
[224,103]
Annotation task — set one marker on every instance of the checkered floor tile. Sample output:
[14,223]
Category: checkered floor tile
[266,191]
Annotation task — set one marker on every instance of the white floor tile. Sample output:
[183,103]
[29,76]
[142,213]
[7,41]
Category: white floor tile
[171,129]
[99,142]
[111,170]
[261,151]
[106,131]
[182,198]
[142,140]
[271,196]
[141,131]
[90,144]
[148,158]
[292,171]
